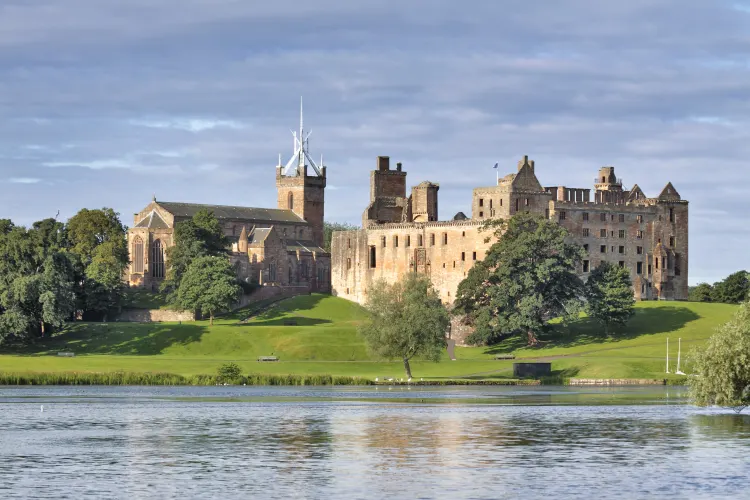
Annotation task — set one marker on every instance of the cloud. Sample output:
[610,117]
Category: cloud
[194,99]
[24,180]
[190,125]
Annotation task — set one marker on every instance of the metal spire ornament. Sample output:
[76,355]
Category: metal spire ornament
[296,164]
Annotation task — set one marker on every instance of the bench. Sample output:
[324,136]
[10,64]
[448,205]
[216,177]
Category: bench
[268,358]
[505,356]
[66,354]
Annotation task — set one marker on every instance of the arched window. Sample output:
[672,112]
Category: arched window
[157,259]
[290,202]
[137,255]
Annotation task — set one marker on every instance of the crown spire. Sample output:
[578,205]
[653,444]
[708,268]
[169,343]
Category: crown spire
[301,156]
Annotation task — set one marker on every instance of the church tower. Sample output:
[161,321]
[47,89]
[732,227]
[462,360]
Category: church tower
[301,183]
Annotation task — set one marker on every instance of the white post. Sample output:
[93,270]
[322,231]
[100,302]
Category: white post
[667,354]
[679,351]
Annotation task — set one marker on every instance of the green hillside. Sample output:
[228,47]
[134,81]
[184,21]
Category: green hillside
[324,340]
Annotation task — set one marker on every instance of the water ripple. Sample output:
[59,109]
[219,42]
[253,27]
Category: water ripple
[227,443]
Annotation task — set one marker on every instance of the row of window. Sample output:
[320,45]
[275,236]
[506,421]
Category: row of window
[621,234]
[526,203]
[322,272]
[407,240]
[373,258]
[639,266]
[158,265]
[616,217]
[563,215]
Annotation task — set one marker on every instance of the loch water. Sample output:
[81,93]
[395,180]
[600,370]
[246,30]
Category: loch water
[368,442]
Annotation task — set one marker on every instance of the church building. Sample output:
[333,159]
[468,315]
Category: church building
[280,246]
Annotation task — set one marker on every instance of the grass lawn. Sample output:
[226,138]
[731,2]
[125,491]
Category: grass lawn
[325,341]
[139,298]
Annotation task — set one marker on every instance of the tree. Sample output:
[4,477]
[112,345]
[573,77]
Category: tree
[527,277]
[609,295]
[329,228]
[209,285]
[40,300]
[723,365]
[702,292]
[734,289]
[36,279]
[88,229]
[198,237]
[99,240]
[407,319]
[229,372]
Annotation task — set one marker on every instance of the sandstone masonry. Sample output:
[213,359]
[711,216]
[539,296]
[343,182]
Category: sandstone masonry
[401,234]
[279,247]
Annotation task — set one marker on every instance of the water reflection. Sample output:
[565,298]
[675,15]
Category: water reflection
[353,443]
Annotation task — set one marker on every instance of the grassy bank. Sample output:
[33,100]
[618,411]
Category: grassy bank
[129,378]
[324,343]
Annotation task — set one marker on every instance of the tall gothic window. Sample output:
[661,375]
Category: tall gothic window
[157,259]
[137,255]
[290,202]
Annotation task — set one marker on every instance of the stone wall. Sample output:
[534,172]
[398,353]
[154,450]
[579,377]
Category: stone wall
[648,236]
[445,251]
[168,315]
[154,315]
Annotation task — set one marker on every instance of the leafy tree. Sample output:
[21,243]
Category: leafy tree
[6,226]
[36,279]
[328,230]
[527,277]
[98,239]
[734,289]
[229,372]
[723,366]
[407,319]
[104,288]
[88,229]
[200,236]
[209,285]
[609,295]
[703,292]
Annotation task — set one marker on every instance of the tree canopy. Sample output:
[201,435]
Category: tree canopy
[703,292]
[407,319]
[527,277]
[609,295]
[37,279]
[209,285]
[723,365]
[53,272]
[99,240]
[198,237]
[734,289]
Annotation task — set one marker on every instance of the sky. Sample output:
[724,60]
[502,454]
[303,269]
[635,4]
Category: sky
[105,103]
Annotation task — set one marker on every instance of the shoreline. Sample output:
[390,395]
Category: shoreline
[9,379]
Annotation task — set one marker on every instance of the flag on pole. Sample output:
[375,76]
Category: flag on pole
[495,165]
